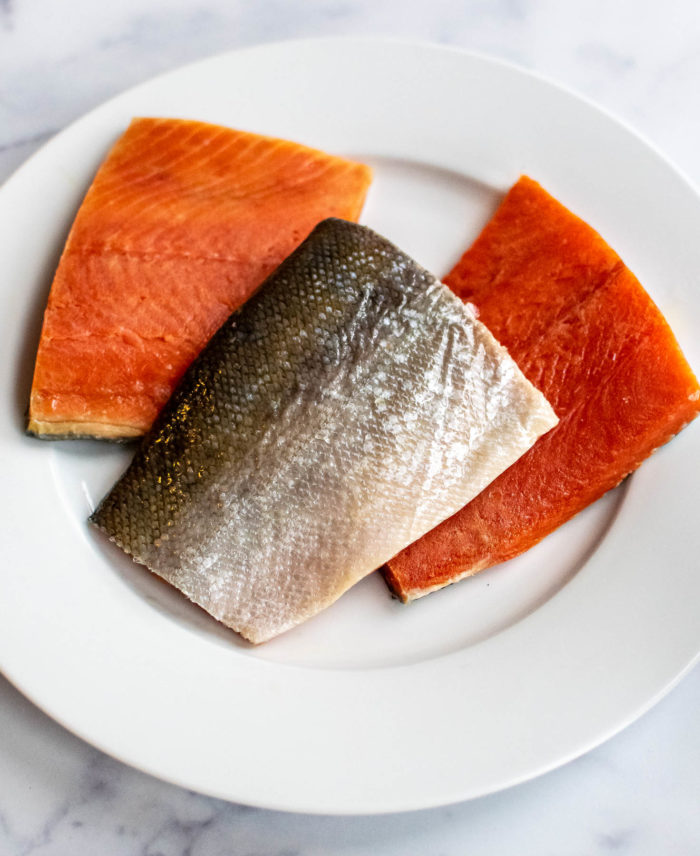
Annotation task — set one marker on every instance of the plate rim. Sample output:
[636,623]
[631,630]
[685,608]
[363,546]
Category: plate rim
[27,166]
[490,59]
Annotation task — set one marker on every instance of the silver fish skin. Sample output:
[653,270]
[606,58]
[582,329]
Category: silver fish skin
[351,405]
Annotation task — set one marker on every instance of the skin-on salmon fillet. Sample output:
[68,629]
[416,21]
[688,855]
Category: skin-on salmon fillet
[341,413]
[586,334]
[181,224]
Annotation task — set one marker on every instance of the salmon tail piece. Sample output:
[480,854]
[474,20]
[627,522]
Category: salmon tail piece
[586,334]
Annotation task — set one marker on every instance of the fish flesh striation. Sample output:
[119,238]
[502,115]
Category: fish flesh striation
[181,224]
[584,331]
[343,411]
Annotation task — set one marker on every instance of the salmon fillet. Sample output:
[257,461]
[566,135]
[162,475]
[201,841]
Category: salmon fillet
[181,224]
[586,334]
[342,412]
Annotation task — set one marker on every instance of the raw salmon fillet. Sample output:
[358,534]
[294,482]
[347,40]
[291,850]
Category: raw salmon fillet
[343,411]
[586,334]
[181,224]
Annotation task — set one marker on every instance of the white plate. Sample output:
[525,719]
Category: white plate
[373,706]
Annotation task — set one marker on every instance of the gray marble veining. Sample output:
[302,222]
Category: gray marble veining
[639,793]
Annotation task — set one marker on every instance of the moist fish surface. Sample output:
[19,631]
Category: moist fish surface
[183,221]
[347,408]
[582,328]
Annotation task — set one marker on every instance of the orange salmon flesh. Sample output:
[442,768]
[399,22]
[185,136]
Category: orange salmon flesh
[182,223]
[584,332]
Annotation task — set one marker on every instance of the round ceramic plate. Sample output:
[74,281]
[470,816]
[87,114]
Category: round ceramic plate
[372,706]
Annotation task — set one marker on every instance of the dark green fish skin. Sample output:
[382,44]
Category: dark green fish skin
[347,408]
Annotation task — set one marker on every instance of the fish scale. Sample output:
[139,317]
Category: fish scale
[351,405]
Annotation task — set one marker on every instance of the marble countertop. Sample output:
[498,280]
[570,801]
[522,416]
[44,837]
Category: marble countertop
[638,793]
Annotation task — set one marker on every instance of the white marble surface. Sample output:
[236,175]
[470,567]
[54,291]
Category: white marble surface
[637,794]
